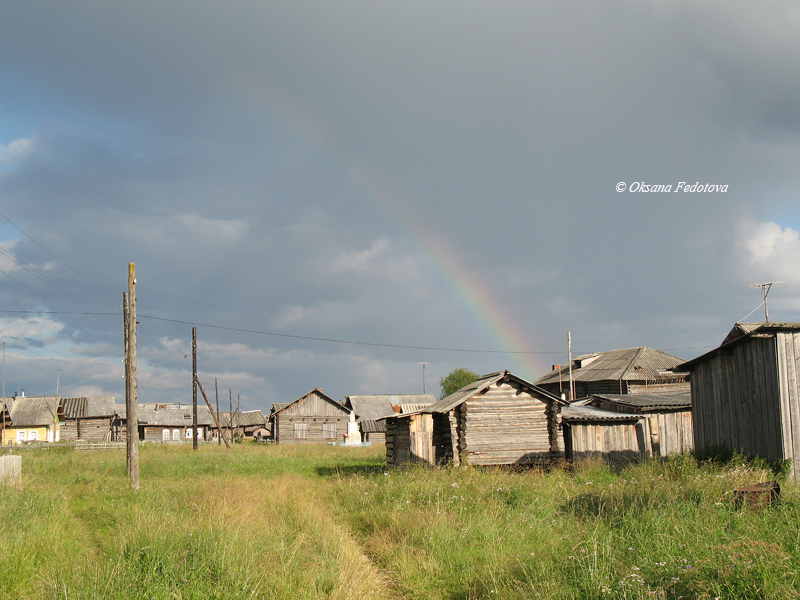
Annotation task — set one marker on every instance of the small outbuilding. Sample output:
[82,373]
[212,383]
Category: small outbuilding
[89,418]
[621,428]
[369,409]
[311,419]
[746,392]
[500,419]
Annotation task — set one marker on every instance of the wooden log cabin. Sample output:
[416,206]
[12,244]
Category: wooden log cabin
[311,419]
[500,419]
[89,418]
[746,392]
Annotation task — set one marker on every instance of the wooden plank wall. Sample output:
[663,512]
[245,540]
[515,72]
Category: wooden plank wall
[788,347]
[736,399]
[613,441]
[313,410]
[502,426]
[94,429]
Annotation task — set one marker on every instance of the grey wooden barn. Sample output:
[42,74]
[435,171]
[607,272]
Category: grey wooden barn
[746,392]
[89,418]
[621,428]
[500,419]
[311,419]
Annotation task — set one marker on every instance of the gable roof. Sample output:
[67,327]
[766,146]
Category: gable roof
[34,411]
[319,393]
[468,391]
[740,334]
[89,407]
[173,417]
[247,418]
[628,364]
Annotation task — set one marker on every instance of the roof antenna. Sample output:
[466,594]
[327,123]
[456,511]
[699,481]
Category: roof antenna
[765,287]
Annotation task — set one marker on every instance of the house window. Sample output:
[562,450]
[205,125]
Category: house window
[329,431]
[20,435]
[165,435]
[33,435]
[200,434]
[188,433]
[176,434]
[301,431]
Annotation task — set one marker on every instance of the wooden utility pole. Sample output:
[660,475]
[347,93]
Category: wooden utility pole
[219,429]
[569,344]
[230,414]
[194,388]
[131,390]
[216,417]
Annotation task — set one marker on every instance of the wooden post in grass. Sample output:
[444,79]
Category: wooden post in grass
[131,393]
[216,417]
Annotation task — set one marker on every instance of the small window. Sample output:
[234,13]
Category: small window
[200,434]
[176,434]
[329,431]
[33,435]
[165,434]
[301,431]
[188,433]
[21,435]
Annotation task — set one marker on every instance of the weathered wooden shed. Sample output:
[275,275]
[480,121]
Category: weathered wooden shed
[370,409]
[746,392]
[620,427]
[640,370]
[243,424]
[311,419]
[88,418]
[500,419]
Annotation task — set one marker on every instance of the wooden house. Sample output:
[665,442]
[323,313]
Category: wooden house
[639,370]
[369,409]
[621,428]
[173,423]
[311,419]
[746,392]
[31,419]
[243,425]
[90,418]
[500,419]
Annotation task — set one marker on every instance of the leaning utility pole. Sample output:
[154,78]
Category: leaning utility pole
[219,429]
[131,399]
[194,388]
[569,345]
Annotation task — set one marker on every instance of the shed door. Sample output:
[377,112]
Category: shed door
[422,438]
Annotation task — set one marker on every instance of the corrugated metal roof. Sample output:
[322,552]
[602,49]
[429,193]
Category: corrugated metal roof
[590,413]
[649,401]
[89,407]
[35,411]
[627,364]
[369,408]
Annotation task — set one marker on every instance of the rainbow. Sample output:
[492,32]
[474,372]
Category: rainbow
[465,283]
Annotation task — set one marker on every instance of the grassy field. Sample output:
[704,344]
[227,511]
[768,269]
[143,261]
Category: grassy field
[330,522]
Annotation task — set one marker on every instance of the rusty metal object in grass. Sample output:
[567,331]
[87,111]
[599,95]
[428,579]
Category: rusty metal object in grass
[757,496]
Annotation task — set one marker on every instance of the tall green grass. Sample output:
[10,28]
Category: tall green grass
[331,522]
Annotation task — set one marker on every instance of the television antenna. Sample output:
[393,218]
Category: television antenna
[765,287]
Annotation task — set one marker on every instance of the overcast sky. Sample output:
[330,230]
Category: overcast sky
[435,182]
